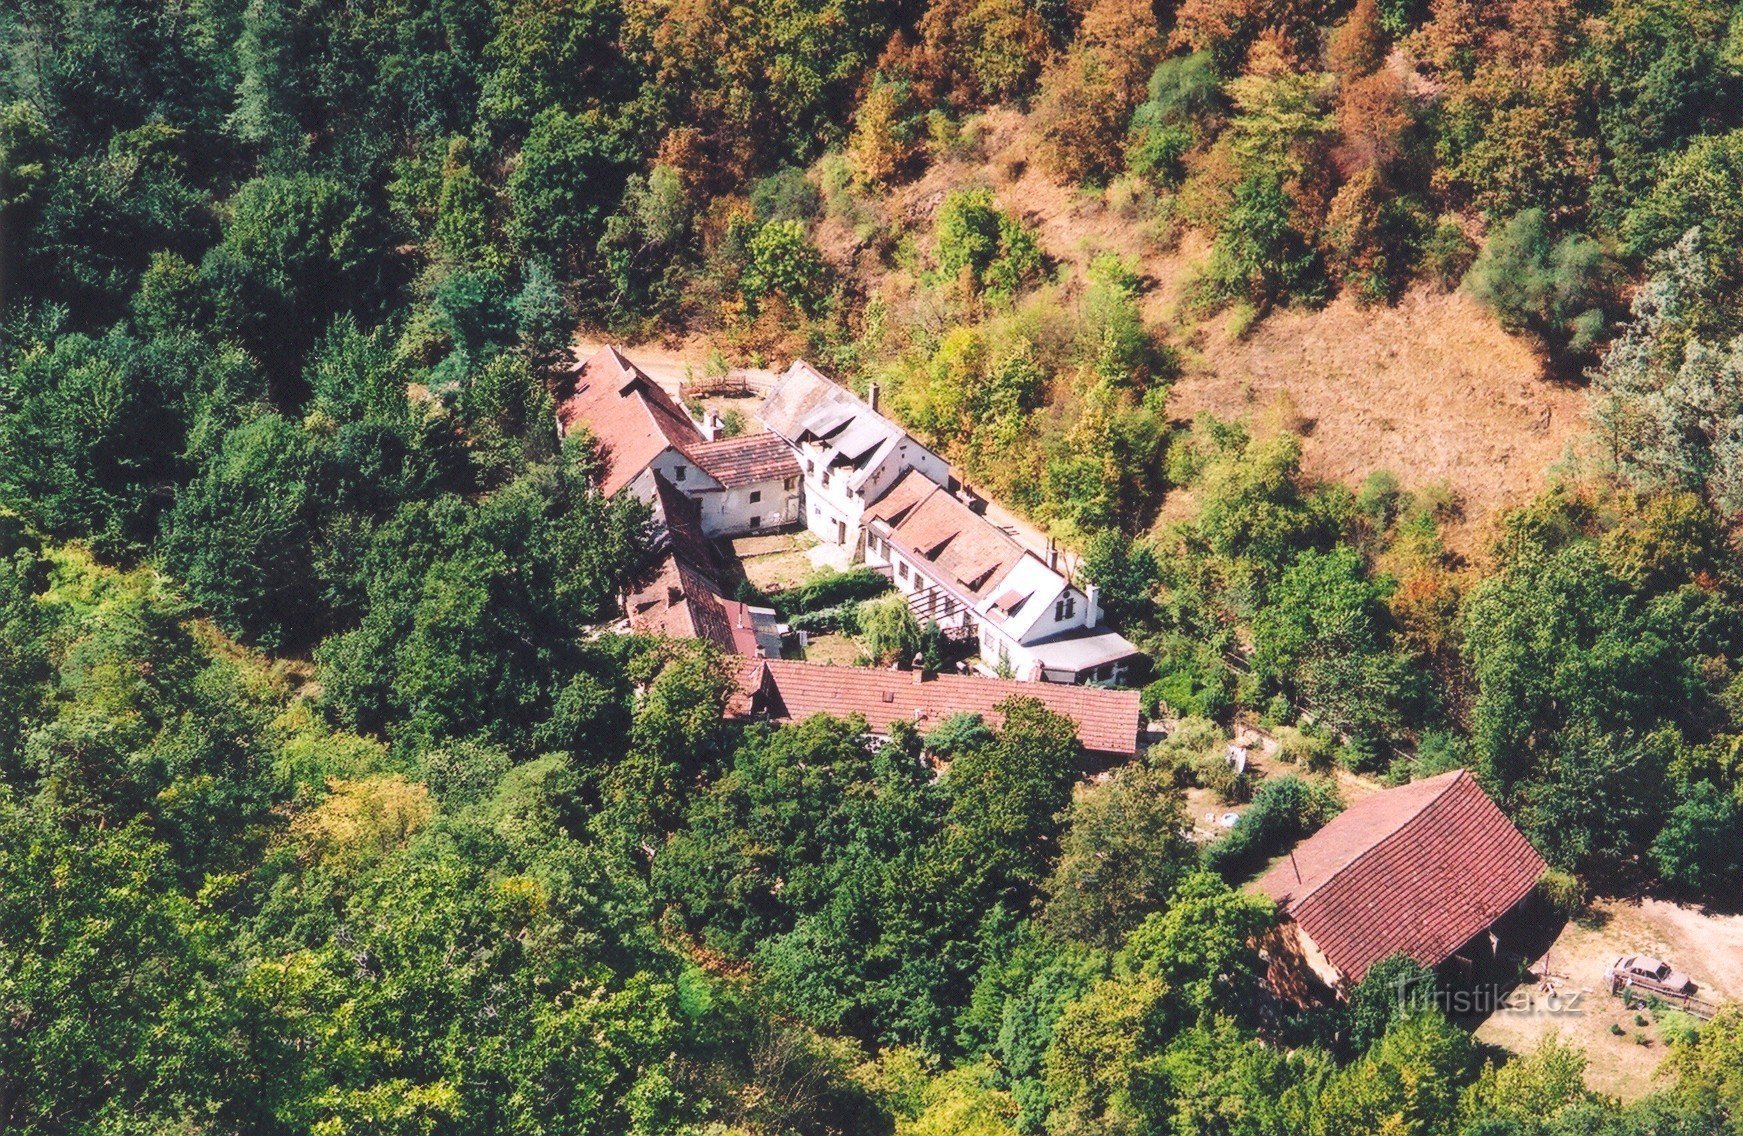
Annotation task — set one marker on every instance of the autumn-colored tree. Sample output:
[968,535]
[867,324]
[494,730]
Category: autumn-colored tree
[886,136]
[1087,97]
[1374,116]
[1371,236]
[978,52]
[1226,28]
[1358,46]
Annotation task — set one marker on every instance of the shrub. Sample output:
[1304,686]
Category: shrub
[1542,286]
[1678,1028]
[1191,682]
[1563,892]
[1310,751]
[785,195]
[1447,254]
[842,618]
[1212,771]
[976,239]
[1192,739]
[830,589]
[1284,810]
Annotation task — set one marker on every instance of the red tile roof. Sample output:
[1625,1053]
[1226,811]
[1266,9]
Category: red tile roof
[682,599]
[745,460]
[632,418]
[1107,720]
[1417,870]
[929,523]
[682,604]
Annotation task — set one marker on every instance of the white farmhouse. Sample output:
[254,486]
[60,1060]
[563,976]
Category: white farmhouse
[849,454]
[960,570]
[741,485]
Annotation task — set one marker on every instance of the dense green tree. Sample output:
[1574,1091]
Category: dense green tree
[1557,640]
[783,262]
[1407,1083]
[297,250]
[24,659]
[1545,286]
[1701,845]
[563,184]
[1392,988]
[1259,256]
[1119,859]
[117,999]
[1321,638]
[242,534]
[92,430]
[110,211]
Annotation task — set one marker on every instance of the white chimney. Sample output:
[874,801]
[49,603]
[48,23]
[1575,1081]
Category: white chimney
[1092,604]
[1052,555]
[712,426]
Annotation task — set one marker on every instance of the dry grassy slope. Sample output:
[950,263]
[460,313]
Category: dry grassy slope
[1431,389]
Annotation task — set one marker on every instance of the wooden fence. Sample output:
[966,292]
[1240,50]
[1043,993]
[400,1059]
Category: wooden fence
[1632,995]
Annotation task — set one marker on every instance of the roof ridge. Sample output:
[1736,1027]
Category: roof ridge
[1453,778]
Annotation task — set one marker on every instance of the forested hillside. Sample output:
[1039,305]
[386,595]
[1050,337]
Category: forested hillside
[324,806]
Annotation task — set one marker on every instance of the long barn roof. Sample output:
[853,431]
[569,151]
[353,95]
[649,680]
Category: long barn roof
[1416,870]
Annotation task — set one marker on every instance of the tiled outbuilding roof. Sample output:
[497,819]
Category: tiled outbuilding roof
[745,460]
[631,417]
[683,597]
[1417,870]
[1108,721]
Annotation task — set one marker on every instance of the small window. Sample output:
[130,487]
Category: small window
[902,571]
[755,496]
[678,472]
[787,484]
[756,522]
[810,466]
[1065,608]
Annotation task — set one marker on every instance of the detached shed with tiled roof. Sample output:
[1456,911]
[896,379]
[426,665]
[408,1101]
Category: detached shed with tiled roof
[1426,870]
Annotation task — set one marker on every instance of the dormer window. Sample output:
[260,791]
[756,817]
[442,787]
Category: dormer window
[1065,608]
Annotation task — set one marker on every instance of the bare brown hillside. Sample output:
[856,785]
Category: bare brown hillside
[1431,389]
